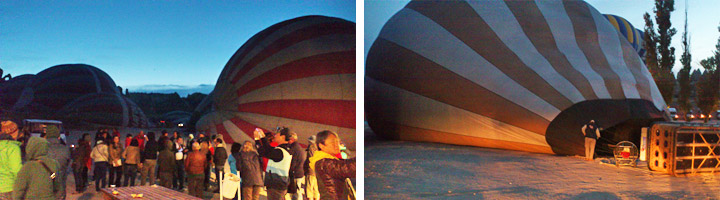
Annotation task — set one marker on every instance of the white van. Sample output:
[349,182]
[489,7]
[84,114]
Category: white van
[35,127]
[673,113]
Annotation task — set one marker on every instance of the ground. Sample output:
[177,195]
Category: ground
[91,194]
[414,170]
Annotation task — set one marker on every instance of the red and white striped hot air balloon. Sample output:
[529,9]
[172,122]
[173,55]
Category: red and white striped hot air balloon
[520,75]
[299,74]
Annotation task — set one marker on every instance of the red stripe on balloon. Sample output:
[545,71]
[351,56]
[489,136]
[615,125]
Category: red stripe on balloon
[339,113]
[222,131]
[295,37]
[249,128]
[318,65]
[252,42]
[246,127]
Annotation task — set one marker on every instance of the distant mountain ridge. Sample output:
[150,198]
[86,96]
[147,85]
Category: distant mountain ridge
[182,90]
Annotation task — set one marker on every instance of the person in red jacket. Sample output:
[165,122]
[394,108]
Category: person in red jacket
[128,139]
[141,140]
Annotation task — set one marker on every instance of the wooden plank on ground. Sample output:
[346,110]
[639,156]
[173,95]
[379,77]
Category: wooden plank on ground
[149,192]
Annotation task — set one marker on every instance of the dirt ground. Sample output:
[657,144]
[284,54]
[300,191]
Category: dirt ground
[413,170]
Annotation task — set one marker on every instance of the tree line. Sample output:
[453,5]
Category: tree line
[660,59]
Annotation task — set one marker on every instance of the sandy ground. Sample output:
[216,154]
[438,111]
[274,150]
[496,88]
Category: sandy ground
[412,170]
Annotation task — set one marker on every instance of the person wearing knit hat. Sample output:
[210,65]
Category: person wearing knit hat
[10,149]
[9,128]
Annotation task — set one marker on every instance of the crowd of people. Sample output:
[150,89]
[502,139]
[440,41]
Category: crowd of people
[37,167]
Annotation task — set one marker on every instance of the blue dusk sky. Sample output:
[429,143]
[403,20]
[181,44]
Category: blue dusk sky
[703,21]
[140,43]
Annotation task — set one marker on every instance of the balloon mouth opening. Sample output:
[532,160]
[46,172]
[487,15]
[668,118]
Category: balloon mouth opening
[620,120]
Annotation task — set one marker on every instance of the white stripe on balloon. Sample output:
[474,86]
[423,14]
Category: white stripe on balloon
[437,44]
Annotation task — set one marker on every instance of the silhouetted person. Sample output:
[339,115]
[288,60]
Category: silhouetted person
[219,159]
[81,157]
[592,133]
[296,188]
[149,160]
[166,164]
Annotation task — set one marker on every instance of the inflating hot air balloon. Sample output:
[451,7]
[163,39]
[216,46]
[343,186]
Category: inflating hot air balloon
[15,91]
[633,35]
[299,73]
[105,109]
[75,93]
[57,86]
[520,75]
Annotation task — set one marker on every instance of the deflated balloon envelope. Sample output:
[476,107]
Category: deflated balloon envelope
[519,75]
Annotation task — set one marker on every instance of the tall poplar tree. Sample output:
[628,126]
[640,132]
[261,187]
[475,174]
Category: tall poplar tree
[660,57]
[683,75]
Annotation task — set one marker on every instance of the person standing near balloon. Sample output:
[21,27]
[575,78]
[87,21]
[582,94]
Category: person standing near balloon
[331,171]
[296,188]
[592,133]
[278,167]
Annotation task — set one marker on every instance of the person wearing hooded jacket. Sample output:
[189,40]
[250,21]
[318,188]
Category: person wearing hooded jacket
[34,180]
[329,170]
[10,158]
[61,154]
[166,164]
